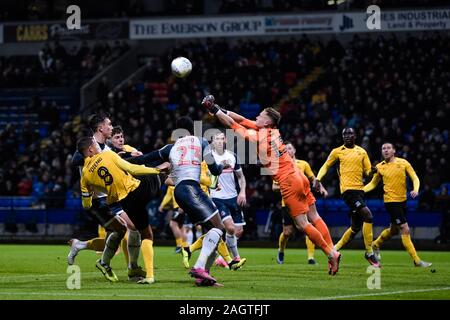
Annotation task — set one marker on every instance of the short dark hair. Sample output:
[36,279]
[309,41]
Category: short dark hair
[117,130]
[348,128]
[96,119]
[388,142]
[83,144]
[185,123]
[274,115]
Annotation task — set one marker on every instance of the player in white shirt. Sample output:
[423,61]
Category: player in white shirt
[185,157]
[226,197]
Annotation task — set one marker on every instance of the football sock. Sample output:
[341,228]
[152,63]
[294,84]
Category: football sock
[124,246]
[368,236]
[189,238]
[348,236]
[384,236]
[96,244]
[310,248]
[317,239]
[407,243]
[147,255]
[323,229]
[232,244]
[101,232]
[112,244]
[223,251]
[197,244]
[134,245]
[282,241]
[212,239]
[210,260]
[198,233]
[179,242]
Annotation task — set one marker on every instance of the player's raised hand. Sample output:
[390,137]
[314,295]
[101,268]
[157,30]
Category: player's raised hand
[209,104]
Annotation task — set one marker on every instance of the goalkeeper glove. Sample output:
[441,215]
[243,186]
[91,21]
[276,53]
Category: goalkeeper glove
[208,103]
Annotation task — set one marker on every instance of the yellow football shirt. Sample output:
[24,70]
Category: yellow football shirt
[205,178]
[128,148]
[109,173]
[394,175]
[353,164]
[169,198]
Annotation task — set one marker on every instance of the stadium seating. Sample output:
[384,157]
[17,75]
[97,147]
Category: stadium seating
[249,75]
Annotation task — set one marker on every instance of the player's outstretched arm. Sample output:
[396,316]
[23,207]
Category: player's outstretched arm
[214,168]
[209,104]
[373,183]
[152,159]
[133,169]
[235,116]
[331,160]
[415,179]
[225,119]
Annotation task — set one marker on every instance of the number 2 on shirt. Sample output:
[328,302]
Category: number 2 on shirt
[196,158]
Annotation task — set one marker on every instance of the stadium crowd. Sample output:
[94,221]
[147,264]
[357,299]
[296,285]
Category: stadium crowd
[59,65]
[32,10]
[388,89]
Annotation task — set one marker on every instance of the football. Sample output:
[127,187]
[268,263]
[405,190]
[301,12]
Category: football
[181,67]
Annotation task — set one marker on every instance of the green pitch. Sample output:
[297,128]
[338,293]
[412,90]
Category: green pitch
[40,272]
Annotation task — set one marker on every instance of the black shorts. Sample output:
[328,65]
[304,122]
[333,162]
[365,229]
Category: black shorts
[178,216]
[197,205]
[357,219]
[102,212]
[135,203]
[286,217]
[396,211]
[229,209]
[354,199]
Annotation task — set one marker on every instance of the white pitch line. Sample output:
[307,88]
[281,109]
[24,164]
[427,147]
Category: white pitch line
[103,295]
[381,293]
[41,275]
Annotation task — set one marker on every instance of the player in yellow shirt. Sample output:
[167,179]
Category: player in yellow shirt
[107,172]
[393,172]
[354,163]
[288,223]
[116,143]
[101,125]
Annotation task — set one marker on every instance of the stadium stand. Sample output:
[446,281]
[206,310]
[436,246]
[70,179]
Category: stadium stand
[319,85]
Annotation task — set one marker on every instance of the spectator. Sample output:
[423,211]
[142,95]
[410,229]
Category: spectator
[427,199]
